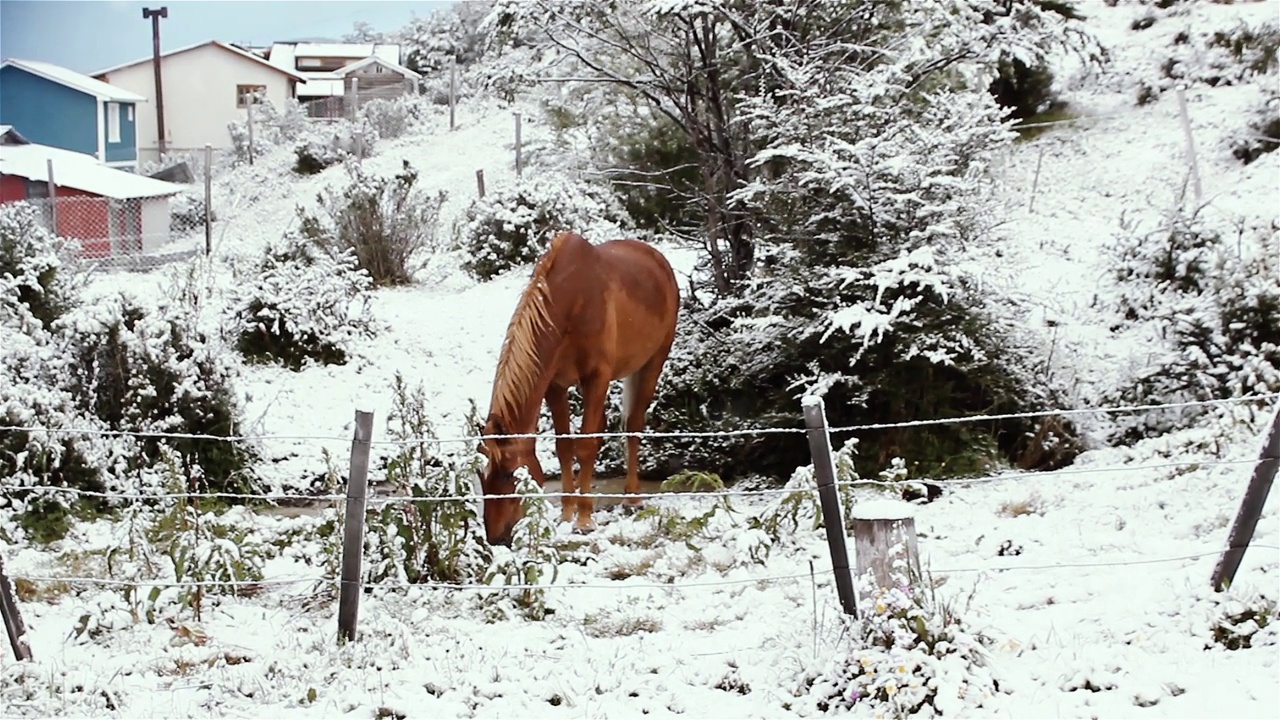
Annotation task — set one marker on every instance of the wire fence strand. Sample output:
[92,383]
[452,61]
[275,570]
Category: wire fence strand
[1066,412]
[619,584]
[375,501]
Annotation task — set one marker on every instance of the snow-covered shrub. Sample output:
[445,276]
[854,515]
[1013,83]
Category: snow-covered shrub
[1262,134]
[391,118]
[300,303]
[512,226]
[31,273]
[140,370]
[328,145]
[272,128]
[910,654]
[533,558]
[388,223]
[436,536]
[1242,619]
[789,517]
[1214,300]
[187,211]
[1215,57]
[1024,80]
[454,34]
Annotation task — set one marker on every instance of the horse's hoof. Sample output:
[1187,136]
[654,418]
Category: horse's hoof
[581,528]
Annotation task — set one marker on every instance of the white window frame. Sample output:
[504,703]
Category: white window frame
[113,122]
[129,113]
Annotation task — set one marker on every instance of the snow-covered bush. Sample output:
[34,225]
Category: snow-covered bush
[454,34]
[910,654]
[1214,57]
[1262,134]
[31,273]
[512,226]
[1242,619]
[533,558]
[388,223]
[436,536]
[1215,302]
[391,118]
[151,370]
[300,303]
[328,145]
[272,128]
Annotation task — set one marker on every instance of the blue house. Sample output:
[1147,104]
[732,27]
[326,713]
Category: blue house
[54,106]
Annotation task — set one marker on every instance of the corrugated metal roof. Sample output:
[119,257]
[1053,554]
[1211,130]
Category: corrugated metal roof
[79,171]
[76,81]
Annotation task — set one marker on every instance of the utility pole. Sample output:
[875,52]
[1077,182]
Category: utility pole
[154,16]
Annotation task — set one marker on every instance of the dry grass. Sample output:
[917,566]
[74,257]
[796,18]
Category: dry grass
[1032,504]
[632,568]
[607,624]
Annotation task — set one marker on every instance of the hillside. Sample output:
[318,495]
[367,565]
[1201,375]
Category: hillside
[1079,592]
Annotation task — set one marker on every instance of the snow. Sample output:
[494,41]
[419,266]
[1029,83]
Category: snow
[1094,583]
[80,171]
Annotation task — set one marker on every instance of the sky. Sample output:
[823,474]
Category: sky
[89,35]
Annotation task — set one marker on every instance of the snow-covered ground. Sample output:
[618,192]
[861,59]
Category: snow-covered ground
[1094,582]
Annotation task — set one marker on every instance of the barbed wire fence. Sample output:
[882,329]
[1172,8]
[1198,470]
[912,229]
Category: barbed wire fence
[351,585]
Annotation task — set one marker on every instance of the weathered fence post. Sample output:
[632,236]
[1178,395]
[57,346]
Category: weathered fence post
[208,199]
[1035,181]
[883,532]
[1264,473]
[13,625]
[519,162]
[353,527]
[453,92]
[249,115]
[355,98]
[815,422]
[53,197]
[480,183]
[1191,143]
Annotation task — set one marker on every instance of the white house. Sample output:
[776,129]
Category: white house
[206,87]
[318,63]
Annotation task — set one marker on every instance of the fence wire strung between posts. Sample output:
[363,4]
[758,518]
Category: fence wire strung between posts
[879,540]
[140,230]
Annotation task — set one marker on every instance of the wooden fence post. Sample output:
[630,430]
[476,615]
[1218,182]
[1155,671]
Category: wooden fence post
[353,528]
[355,99]
[53,197]
[815,422]
[1191,144]
[519,160]
[883,532]
[453,92]
[480,183]
[1264,473]
[208,199]
[13,625]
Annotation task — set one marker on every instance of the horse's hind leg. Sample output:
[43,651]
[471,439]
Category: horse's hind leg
[595,389]
[637,393]
[558,403]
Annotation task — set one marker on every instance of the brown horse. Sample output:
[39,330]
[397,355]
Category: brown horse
[591,314]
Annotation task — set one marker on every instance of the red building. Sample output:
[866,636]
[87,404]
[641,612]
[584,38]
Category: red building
[110,212]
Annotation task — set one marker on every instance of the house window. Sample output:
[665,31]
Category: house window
[245,92]
[129,112]
[113,122]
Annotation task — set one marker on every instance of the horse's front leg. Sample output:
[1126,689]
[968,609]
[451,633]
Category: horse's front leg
[558,404]
[594,391]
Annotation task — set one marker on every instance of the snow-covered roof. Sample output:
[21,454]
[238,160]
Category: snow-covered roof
[387,51]
[9,136]
[325,84]
[374,59]
[75,81]
[225,46]
[79,171]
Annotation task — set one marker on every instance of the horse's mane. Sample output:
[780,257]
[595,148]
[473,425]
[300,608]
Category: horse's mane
[518,364]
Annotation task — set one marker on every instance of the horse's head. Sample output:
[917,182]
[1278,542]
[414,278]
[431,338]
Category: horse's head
[505,456]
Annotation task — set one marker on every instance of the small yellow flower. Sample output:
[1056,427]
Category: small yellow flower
[879,607]
[891,689]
